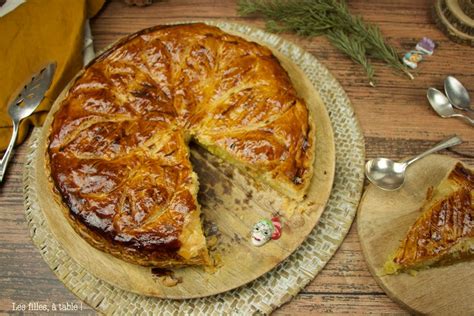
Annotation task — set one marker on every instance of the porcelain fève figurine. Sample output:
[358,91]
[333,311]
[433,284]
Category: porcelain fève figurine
[265,230]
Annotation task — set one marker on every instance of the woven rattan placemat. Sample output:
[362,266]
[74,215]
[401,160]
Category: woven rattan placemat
[277,286]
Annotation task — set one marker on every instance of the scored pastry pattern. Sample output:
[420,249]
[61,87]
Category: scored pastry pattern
[118,143]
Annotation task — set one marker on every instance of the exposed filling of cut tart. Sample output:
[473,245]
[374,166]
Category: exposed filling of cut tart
[444,232]
[118,147]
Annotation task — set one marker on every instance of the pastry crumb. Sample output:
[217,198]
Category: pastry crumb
[211,242]
[171,280]
[216,263]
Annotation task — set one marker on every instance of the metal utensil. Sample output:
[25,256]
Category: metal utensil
[24,105]
[457,94]
[389,175]
[440,103]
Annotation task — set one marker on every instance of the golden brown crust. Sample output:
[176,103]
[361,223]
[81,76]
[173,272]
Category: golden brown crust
[117,148]
[446,222]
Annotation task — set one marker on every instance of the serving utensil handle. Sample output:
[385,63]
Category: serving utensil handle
[442,145]
[8,153]
[467,118]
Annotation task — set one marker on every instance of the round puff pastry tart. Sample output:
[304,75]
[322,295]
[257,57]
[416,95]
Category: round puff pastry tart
[118,147]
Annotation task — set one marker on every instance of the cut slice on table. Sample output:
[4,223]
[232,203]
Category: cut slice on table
[444,232]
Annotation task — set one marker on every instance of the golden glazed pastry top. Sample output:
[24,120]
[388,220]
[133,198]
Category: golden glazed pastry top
[444,232]
[118,144]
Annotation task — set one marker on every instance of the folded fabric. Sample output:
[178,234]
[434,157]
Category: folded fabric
[35,33]
[7,7]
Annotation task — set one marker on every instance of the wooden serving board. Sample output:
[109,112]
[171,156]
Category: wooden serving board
[383,221]
[231,204]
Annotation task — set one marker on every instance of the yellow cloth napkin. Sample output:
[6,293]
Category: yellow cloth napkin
[35,33]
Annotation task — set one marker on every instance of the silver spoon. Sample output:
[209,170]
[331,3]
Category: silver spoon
[24,105]
[389,175]
[457,94]
[441,105]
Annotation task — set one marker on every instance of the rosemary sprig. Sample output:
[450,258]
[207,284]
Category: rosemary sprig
[375,43]
[354,48]
[350,34]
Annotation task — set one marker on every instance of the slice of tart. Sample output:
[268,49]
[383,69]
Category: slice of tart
[444,232]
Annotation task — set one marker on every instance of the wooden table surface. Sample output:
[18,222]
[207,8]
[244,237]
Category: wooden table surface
[395,117]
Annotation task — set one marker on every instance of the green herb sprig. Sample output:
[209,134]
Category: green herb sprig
[359,40]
